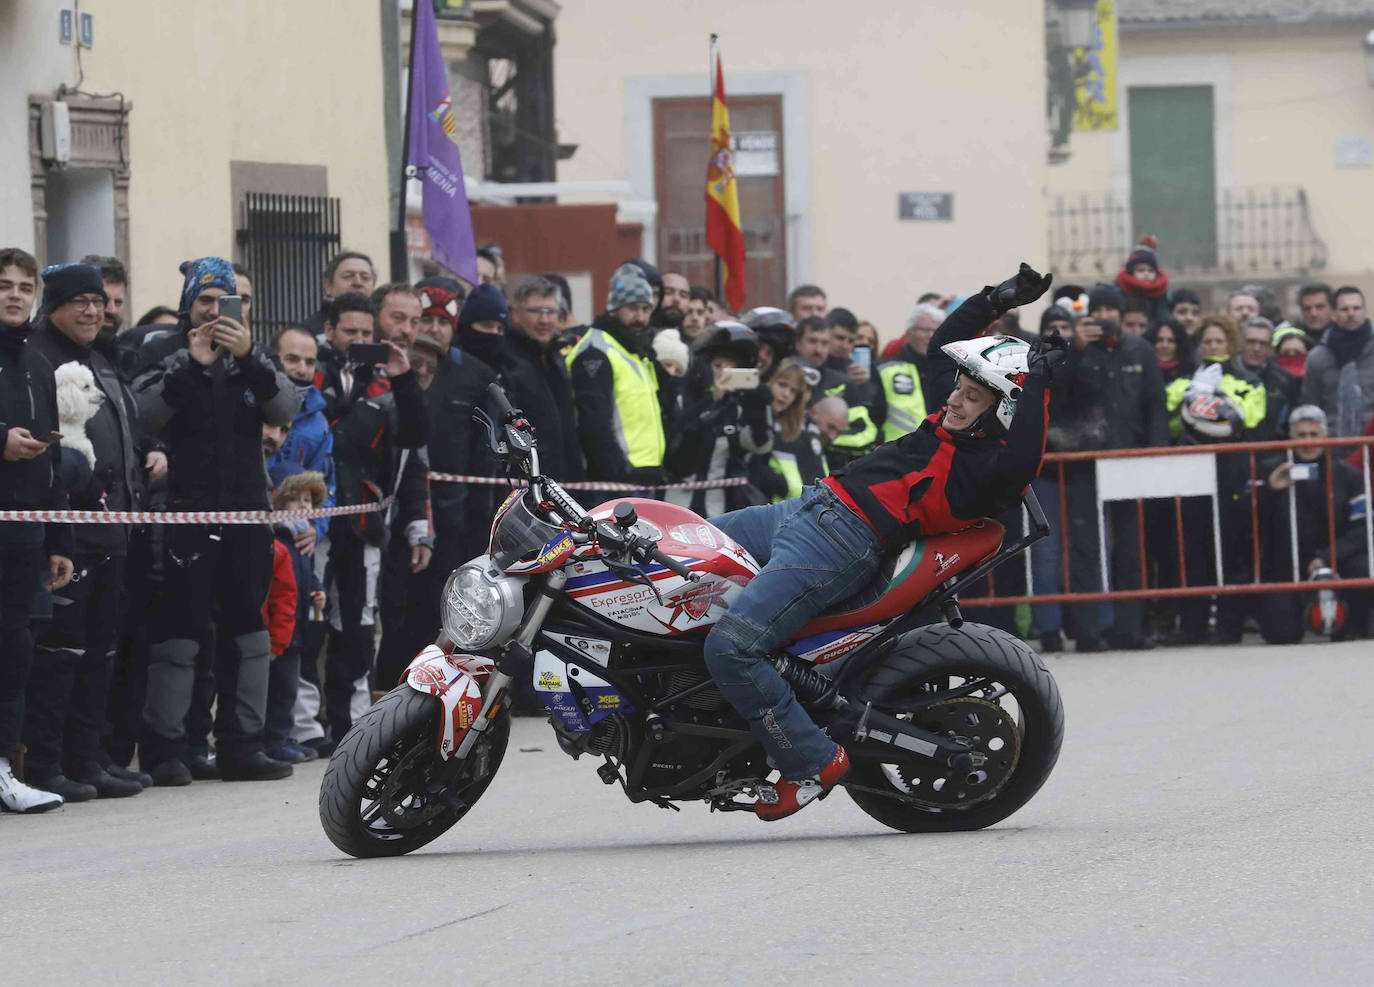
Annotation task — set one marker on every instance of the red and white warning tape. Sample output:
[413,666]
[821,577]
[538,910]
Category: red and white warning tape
[272,517]
[504,481]
[188,517]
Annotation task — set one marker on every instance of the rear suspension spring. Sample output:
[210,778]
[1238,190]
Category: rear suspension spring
[806,681]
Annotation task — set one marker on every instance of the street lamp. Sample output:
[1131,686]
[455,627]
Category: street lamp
[1078,23]
[1369,56]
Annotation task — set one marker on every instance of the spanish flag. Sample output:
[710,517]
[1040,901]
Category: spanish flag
[722,199]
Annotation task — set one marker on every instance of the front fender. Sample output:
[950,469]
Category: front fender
[454,681]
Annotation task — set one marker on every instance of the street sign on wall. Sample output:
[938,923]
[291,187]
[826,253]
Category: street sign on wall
[925,205]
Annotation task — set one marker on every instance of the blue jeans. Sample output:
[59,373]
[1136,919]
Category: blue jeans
[815,552]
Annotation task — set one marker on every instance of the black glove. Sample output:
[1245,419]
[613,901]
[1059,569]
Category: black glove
[1026,287]
[1046,354]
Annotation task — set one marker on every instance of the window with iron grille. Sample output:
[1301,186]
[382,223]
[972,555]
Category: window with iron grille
[285,241]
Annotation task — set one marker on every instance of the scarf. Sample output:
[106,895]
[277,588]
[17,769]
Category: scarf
[1168,366]
[1157,288]
[1294,363]
[1345,345]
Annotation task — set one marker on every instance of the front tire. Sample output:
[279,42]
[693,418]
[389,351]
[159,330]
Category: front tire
[938,658]
[386,790]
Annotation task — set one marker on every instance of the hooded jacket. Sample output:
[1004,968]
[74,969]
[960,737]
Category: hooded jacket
[310,445]
[211,418]
[28,399]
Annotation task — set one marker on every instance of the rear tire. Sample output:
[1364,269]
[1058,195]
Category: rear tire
[399,734]
[938,651]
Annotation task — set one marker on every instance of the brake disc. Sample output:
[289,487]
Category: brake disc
[990,734]
[405,795]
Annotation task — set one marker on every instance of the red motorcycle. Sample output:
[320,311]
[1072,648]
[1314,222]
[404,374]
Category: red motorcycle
[950,725]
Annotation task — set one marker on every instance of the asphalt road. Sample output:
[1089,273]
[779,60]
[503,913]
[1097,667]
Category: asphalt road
[1209,822]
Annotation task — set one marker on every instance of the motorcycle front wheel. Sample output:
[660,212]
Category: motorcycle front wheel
[977,685]
[387,791]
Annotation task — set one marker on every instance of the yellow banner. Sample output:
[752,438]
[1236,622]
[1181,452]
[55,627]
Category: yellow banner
[1095,69]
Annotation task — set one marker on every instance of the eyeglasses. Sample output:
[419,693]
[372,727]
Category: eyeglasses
[83,302]
[540,311]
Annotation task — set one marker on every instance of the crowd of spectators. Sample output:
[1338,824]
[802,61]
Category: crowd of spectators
[137,644]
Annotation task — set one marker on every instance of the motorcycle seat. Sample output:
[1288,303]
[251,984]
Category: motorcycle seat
[905,578]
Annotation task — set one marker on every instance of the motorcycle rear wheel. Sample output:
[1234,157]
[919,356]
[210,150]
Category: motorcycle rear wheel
[381,793]
[937,658]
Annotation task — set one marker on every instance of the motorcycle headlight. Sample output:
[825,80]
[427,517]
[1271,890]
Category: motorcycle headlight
[481,606]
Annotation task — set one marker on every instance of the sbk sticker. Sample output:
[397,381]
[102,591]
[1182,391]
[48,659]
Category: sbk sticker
[696,600]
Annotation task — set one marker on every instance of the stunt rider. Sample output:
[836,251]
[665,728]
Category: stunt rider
[970,460]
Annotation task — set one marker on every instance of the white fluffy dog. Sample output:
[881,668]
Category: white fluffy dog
[78,400]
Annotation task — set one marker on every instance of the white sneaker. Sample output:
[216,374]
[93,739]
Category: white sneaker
[15,796]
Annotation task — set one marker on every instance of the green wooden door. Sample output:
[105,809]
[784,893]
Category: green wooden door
[1173,172]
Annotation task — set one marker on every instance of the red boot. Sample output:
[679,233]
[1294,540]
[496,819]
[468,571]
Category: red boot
[792,796]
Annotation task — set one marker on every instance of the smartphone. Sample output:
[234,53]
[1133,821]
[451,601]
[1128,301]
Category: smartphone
[231,307]
[50,438]
[863,356]
[1303,471]
[368,354]
[741,378]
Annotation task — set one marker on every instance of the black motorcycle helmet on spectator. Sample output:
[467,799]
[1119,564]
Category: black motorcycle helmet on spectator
[774,328]
[725,338]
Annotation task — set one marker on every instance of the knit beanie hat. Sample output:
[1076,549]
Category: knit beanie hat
[669,347]
[1144,253]
[628,286]
[63,282]
[487,303]
[442,297]
[1108,295]
[1055,313]
[650,272]
[207,272]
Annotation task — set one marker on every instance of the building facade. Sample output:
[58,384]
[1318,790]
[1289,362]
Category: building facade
[886,149]
[1244,142]
[217,130]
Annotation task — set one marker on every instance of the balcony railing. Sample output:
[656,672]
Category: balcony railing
[1259,232]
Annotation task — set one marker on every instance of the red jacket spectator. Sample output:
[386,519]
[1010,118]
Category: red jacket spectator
[279,609]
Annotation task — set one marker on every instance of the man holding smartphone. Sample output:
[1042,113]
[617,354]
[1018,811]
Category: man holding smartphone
[28,481]
[207,389]
[380,425]
[726,418]
[1294,507]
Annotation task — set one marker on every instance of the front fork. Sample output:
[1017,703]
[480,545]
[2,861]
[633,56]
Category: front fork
[517,654]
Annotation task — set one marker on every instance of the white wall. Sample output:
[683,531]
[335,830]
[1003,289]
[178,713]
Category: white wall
[898,96]
[31,61]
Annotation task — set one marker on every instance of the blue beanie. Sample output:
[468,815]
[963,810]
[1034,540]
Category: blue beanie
[487,303]
[207,272]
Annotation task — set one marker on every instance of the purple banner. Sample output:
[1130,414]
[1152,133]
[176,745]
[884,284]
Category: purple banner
[434,155]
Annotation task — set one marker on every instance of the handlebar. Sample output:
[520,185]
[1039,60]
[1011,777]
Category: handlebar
[673,565]
[498,397]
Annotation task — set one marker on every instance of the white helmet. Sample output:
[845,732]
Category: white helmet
[999,363]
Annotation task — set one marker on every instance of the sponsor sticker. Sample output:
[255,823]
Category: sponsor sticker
[943,562]
[550,681]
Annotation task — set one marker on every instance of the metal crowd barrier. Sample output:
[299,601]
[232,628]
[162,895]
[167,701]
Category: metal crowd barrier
[1173,473]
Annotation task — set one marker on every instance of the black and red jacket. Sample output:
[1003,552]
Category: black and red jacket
[929,480]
